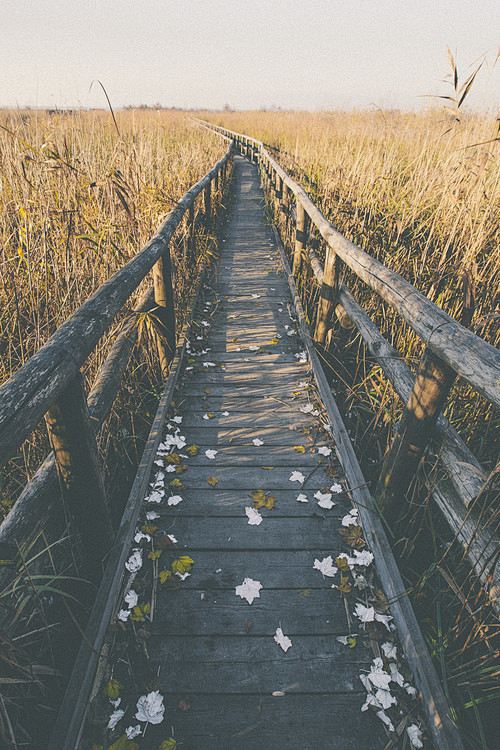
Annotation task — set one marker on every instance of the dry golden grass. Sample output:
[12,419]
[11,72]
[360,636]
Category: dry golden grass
[77,201]
[416,192]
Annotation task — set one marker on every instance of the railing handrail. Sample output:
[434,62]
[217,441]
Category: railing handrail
[28,394]
[467,354]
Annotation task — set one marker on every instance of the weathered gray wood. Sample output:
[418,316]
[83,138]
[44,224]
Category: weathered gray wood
[318,611]
[80,473]
[432,385]
[442,727]
[471,357]
[281,435]
[231,504]
[254,478]
[34,505]
[477,534]
[164,313]
[328,296]
[272,534]
[300,236]
[249,665]
[264,721]
[27,395]
[70,721]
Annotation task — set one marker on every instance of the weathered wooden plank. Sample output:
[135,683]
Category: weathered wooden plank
[183,612]
[237,456]
[227,503]
[470,356]
[274,569]
[317,530]
[250,376]
[212,436]
[248,722]
[248,477]
[214,404]
[235,393]
[252,420]
[253,664]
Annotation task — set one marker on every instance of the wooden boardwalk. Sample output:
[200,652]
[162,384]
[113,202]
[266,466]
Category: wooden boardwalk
[216,654]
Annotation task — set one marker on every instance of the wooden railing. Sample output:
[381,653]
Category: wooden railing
[50,384]
[450,351]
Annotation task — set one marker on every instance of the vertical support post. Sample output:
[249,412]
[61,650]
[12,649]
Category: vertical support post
[207,204]
[300,237]
[165,311]
[191,233]
[80,473]
[432,385]
[279,187]
[328,296]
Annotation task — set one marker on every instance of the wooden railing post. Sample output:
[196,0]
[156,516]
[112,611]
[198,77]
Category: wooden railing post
[432,385]
[207,203]
[165,311]
[300,237]
[80,473]
[328,296]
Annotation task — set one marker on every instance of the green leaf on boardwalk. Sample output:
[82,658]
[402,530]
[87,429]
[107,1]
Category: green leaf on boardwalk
[182,564]
[212,481]
[169,744]
[299,449]
[123,743]
[164,575]
[193,450]
[176,483]
[112,690]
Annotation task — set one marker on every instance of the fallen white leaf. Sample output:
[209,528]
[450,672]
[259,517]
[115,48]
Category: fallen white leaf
[396,675]
[254,517]
[155,496]
[385,619]
[249,590]
[324,499]
[383,717]
[210,453]
[123,615]
[378,676]
[131,598]
[225,413]
[115,718]
[325,566]
[170,469]
[257,441]
[307,409]
[350,520]
[150,708]
[302,498]
[282,640]
[132,732]
[182,576]
[152,515]
[297,476]
[365,614]
[364,558]
[177,420]
[140,535]
[324,450]
[415,735]
[174,500]
[385,698]
[389,649]
[253,348]
[172,538]
[410,689]
[134,563]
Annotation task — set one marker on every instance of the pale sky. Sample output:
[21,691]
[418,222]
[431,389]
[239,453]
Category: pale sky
[305,54]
